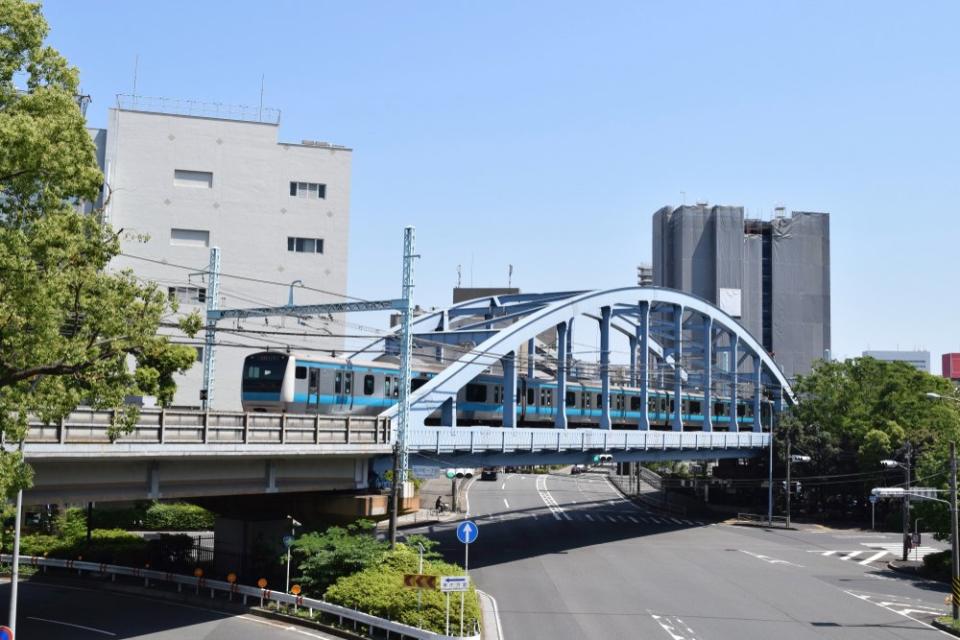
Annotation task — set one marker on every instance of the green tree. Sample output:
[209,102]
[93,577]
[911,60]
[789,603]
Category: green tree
[69,329]
[854,413]
[324,557]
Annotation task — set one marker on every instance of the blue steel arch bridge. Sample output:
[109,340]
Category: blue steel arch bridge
[694,380]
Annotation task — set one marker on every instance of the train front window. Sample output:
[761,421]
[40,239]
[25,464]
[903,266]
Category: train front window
[255,372]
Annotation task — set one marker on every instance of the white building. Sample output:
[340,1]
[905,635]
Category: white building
[919,360]
[185,177]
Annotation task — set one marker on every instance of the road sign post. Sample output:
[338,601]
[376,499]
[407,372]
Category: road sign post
[466,533]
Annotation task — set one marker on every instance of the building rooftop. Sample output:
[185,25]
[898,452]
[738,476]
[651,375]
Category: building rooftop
[198,109]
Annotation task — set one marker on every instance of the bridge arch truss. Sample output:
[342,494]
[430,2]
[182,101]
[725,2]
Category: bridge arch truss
[679,343]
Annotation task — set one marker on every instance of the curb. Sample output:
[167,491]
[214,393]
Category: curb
[945,628]
[491,629]
[305,622]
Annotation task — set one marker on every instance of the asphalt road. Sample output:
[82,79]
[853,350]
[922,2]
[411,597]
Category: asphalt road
[567,557]
[54,612]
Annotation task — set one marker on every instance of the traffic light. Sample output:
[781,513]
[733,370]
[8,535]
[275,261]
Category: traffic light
[451,473]
[600,458]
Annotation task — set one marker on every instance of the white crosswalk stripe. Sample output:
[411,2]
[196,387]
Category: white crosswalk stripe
[874,552]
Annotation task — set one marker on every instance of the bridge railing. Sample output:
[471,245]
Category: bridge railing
[454,440]
[175,426]
[343,614]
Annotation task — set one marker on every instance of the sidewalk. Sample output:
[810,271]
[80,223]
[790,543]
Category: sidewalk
[429,491]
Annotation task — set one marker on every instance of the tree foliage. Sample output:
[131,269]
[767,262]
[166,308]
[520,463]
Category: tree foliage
[324,557]
[854,413]
[378,589]
[69,328]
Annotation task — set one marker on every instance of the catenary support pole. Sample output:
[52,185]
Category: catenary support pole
[210,339]
[401,459]
[560,402]
[15,569]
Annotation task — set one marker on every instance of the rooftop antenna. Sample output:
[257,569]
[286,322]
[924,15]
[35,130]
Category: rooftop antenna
[136,65]
[260,112]
[510,276]
[459,275]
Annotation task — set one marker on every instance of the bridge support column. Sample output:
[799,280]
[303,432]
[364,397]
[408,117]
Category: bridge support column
[569,350]
[531,357]
[508,363]
[734,390]
[707,409]
[677,369]
[560,401]
[757,393]
[605,368]
[633,360]
[643,337]
[448,412]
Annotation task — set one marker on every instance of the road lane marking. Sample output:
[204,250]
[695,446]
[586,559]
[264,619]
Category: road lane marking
[676,521]
[505,503]
[633,520]
[75,626]
[611,519]
[769,559]
[549,500]
[876,556]
[851,555]
[503,486]
[674,627]
[283,627]
[900,612]
[588,517]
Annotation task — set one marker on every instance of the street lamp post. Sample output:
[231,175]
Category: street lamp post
[293,532]
[790,460]
[891,464]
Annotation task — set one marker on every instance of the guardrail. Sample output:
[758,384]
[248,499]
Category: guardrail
[505,440]
[173,426]
[264,595]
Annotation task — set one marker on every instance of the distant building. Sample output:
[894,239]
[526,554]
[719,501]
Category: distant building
[644,275]
[462,294]
[773,276]
[190,178]
[919,360]
[951,366]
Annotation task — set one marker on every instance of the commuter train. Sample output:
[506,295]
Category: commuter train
[279,382]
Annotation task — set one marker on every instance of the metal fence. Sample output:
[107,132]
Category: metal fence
[361,622]
[180,107]
[175,426]
[505,440]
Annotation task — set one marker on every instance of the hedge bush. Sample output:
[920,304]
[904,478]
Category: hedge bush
[177,516]
[378,590]
[937,566]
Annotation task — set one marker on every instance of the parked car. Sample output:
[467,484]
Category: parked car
[489,473]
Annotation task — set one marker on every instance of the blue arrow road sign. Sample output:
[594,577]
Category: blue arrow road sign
[6,633]
[467,532]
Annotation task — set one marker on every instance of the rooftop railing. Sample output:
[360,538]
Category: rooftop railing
[196,108]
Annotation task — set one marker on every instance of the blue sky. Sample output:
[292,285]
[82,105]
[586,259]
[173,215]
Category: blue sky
[545,134]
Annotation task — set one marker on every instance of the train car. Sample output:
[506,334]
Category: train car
[280,382]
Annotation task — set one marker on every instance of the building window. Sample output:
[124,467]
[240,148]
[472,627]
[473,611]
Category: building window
[190,237]
[309,190]
[305,245]
[199,354]
[193,179]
